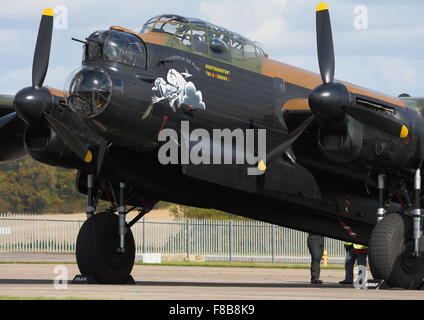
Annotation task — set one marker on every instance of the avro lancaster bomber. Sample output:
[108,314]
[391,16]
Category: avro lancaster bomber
[341,161]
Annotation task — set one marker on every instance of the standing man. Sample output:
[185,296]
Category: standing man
[316,249]
[350,260]
[354,252]
[362,252]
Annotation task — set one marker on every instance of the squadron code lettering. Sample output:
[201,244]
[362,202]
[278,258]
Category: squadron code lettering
[218,309]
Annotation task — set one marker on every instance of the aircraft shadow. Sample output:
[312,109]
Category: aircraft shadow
[238,284]
[25,281]
[191,284]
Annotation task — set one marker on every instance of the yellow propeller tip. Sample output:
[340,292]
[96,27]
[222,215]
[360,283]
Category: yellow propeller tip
[322,6]
[404,132]
[48,12]
[88,157]
[262,165]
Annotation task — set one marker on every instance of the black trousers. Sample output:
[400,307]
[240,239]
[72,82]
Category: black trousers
[316,249]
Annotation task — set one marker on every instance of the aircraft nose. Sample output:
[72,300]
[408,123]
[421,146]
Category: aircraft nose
[88,91]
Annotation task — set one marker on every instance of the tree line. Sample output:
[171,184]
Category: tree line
[27,186]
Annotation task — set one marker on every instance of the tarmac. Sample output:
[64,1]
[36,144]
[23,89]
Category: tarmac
[157,282]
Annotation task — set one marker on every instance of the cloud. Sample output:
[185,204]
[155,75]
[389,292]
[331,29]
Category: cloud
[385,57]
[251,18]
[12,82]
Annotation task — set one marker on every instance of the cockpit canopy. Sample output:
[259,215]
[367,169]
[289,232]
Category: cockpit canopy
[116,46]
[204,37]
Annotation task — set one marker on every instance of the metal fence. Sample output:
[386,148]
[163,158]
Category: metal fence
[208,240]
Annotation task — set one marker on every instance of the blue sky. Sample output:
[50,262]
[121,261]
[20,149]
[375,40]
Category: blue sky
[387,57]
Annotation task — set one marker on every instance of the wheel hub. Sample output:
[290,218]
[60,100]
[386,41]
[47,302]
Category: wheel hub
[113,253]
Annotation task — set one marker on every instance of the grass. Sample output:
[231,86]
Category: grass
[202,264]
[239,264]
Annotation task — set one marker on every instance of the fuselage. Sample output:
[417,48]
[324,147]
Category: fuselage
[329,190]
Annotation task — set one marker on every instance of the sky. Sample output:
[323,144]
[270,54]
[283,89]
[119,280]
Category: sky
[378,44]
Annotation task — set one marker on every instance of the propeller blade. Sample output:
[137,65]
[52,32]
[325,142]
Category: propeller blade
[291,138]
[101,155]
[6,119]
[325,43]
[73,142]
[42,49]
[373,119]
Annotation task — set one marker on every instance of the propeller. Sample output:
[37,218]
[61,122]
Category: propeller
[42,49]
[71,140]
[6,119]
[289,140]
[370,118]
[325,43]
[6,104]
[33,104]
[331,100]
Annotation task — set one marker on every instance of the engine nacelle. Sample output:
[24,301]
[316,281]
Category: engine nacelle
[351,141]
[44,145]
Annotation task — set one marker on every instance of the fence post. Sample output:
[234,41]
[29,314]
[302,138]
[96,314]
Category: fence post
[273,243]
[230,244]
[187,239]
[144,236]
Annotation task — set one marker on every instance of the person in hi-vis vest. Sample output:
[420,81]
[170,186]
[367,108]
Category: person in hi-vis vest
[354,252]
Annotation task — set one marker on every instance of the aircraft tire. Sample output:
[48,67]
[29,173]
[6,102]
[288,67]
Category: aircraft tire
[97,250]
[390,249]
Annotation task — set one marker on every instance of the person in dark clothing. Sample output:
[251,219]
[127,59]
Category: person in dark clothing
[316,249]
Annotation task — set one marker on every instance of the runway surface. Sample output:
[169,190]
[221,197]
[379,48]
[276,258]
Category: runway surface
[184,283]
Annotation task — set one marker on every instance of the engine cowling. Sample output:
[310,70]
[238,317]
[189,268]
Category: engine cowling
[351,141]
[44,145]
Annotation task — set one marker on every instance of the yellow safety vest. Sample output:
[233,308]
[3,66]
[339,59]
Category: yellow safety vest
[360,247]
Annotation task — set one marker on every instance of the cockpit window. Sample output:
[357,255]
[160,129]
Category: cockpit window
[165,27]
[116,46]
[147,27]
[205,38]
[183,33]
[200,41]
[249,51]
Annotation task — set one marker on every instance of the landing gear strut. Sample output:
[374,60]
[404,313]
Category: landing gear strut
[105,248]
[396,243]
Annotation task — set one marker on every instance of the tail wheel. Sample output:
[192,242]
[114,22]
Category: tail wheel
[390,253]
[97,250]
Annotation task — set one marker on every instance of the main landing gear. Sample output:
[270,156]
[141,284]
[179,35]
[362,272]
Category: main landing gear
[105,248]
[396,246]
